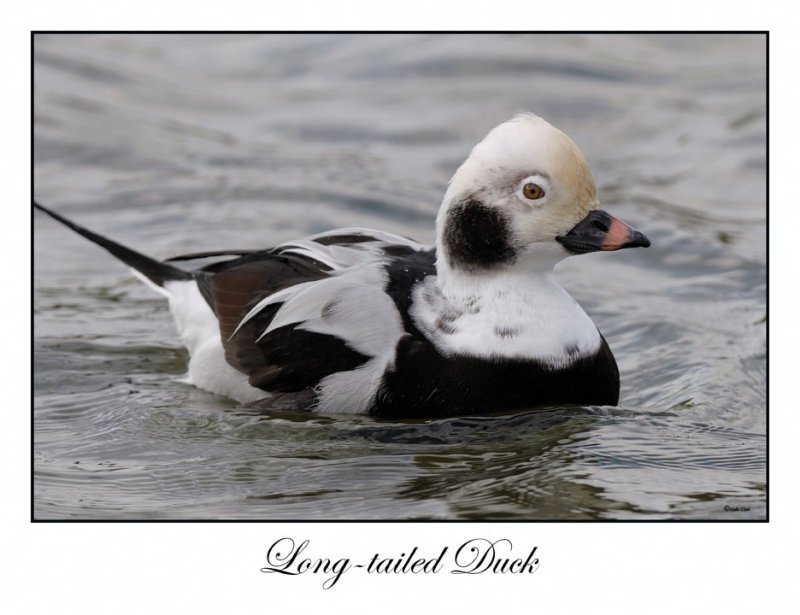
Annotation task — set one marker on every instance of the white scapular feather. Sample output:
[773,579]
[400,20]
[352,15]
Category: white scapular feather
[305,304]
[358,312]
[352,306]
[281,295]
[354,292]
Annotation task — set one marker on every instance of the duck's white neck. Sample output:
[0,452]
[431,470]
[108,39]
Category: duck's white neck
[528,273]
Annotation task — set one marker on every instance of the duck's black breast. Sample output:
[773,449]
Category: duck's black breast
[425,383]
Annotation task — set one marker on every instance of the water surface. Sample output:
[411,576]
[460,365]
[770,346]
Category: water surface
[184,143]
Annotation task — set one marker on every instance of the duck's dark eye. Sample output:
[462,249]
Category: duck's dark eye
[532,191]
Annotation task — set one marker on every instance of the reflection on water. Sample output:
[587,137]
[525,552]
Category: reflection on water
[184,143]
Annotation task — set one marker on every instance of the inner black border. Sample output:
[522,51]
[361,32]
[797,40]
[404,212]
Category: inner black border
[444,32]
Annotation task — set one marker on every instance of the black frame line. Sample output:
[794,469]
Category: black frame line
[33,519]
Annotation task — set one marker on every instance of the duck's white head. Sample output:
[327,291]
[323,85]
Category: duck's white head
[524,199]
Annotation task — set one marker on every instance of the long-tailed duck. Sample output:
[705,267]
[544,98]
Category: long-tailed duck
[362,321]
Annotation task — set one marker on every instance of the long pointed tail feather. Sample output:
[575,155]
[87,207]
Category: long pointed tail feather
[155,271]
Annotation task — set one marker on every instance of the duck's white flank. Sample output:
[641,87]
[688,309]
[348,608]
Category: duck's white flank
[198,328]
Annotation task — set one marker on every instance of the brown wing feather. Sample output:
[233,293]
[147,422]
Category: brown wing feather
[233,291]
[287,359]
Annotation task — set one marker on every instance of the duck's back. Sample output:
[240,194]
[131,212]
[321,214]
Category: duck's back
[328,324]
[311,321]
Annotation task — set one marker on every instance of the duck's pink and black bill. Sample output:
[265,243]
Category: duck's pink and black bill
[601,231]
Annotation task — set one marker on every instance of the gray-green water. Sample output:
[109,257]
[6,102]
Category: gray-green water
[183,143]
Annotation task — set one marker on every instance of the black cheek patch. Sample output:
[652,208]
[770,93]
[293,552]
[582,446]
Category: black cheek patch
[477,237]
